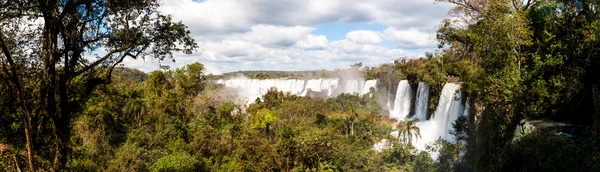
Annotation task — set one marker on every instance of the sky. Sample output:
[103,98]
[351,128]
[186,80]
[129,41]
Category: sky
[296,35]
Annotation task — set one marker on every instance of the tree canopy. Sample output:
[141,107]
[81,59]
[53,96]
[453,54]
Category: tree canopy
[55,53]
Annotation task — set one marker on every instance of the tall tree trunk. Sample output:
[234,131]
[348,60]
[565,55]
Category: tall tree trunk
[30,150]
[62,126]
[347,122]
[352,128]
[61,119]
[62,135]
[20,93]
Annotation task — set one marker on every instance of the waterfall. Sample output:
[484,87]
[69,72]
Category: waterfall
[402,101]
[329,85]
[439,125]
[368,85]
[251,89]
[448,109]
[467,110]
[298,86]
[353,86]
[421,102]
[293,86]
[313,85]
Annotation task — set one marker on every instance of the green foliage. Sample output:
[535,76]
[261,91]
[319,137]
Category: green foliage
[528,60]
[407,130]
[549,153]
[190,80]
[154,121]
[404,157]
[47,69]
[130,157]
[262,119]
[448,155]
[131,74]
[175,162]
[460,129]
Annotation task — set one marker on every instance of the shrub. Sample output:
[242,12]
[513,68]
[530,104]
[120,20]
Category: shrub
[176,162]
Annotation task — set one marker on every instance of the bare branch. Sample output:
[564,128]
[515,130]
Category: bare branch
[97,62]
[109,75]
[128,53]
[469,4]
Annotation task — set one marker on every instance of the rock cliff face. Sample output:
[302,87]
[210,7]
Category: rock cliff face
[544,126]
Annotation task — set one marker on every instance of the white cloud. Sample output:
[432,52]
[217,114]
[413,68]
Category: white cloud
[237,35]
[210,16]
[227,48]
[313,42]
[364,37]
[226,16]
[410,38]
[235,55]
[277,35]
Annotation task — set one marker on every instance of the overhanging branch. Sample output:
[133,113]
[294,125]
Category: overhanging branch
[97,62]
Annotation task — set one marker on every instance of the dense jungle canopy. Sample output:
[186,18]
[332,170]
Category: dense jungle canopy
[65,107]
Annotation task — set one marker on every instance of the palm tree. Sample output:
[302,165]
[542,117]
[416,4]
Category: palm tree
[408,129]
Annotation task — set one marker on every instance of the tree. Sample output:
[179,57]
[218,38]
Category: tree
[522,59]
[448,155]
[190,79]
[46,48]
[351,120]
[408,129]
[356,65]
[262,119]
[459,129]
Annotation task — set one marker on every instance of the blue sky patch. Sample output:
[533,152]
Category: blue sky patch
[338,31]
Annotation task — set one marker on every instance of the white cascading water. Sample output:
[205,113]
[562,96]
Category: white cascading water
[402,101]
[313,85]
[298,86]
[368,85]
[353,86]
[448,109]
[330,85]
[251,89]
[467,109]
[421,102]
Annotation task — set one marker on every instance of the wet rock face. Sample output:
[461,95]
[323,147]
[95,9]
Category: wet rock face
[544,126]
